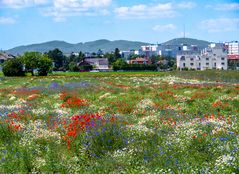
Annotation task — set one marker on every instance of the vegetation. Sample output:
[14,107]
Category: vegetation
[134,67]
[44,65]
[127,122]
[86,67]
[207,75]
[29,62]
[73,67]
[13,67]
[188,41]
[233,64]
[58,58]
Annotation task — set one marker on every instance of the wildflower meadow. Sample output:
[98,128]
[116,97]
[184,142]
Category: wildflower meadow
[119,123]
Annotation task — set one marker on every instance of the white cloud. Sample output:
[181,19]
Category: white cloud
[221,24]
[96,3]
[186,5]
[143,11]
[61,9]
[164,27]
[226,6]
[159,10]
[22,3]
[7,20]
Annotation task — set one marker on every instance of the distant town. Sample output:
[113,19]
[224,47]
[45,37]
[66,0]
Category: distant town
[156,57]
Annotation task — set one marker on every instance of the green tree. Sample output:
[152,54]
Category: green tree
[72,57]
[117,54]
[99,53]
[30,59]
[119,64]
[36,60]
[110,57]
[13,67]
[58,58]
[80,57]
[44,65]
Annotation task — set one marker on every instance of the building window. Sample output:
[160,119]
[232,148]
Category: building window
[207,64]
[191,59]
[191,64]
[182,57]
[183,64]
[199,64]
[222,58]
[207,58]
[223,63]
[215,64]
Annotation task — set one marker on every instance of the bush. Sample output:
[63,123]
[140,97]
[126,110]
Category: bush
[13,67]
[86,67]
[73,67]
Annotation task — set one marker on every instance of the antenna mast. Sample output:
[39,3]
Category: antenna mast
[184,31]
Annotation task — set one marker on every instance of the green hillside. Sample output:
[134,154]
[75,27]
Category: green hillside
[188,41]
[93,46]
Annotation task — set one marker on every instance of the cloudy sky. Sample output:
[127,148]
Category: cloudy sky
[25,22]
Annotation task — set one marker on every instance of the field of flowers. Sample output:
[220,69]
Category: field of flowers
[118,124]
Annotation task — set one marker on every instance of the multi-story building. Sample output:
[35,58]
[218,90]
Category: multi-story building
[233,48]
[169,50]
[150,50]
[233,55]
[126,54]
[213,57]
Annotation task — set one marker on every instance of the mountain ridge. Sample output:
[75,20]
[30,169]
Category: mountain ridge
[94,46]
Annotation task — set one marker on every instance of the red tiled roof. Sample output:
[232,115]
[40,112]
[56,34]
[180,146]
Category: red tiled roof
[139,59]
[233,57]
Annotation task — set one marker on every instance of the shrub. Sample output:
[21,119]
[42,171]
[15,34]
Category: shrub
[13,67]
[73,67]
[86,67]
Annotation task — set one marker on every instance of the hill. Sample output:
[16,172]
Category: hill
[188,41]
[65,47]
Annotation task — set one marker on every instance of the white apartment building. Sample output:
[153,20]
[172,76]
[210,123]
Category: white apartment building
[150,50]
[233,48]
[210,58]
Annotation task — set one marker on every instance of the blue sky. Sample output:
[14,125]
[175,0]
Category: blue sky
[25,22]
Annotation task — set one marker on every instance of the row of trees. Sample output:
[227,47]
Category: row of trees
[122,65]
[55,60]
